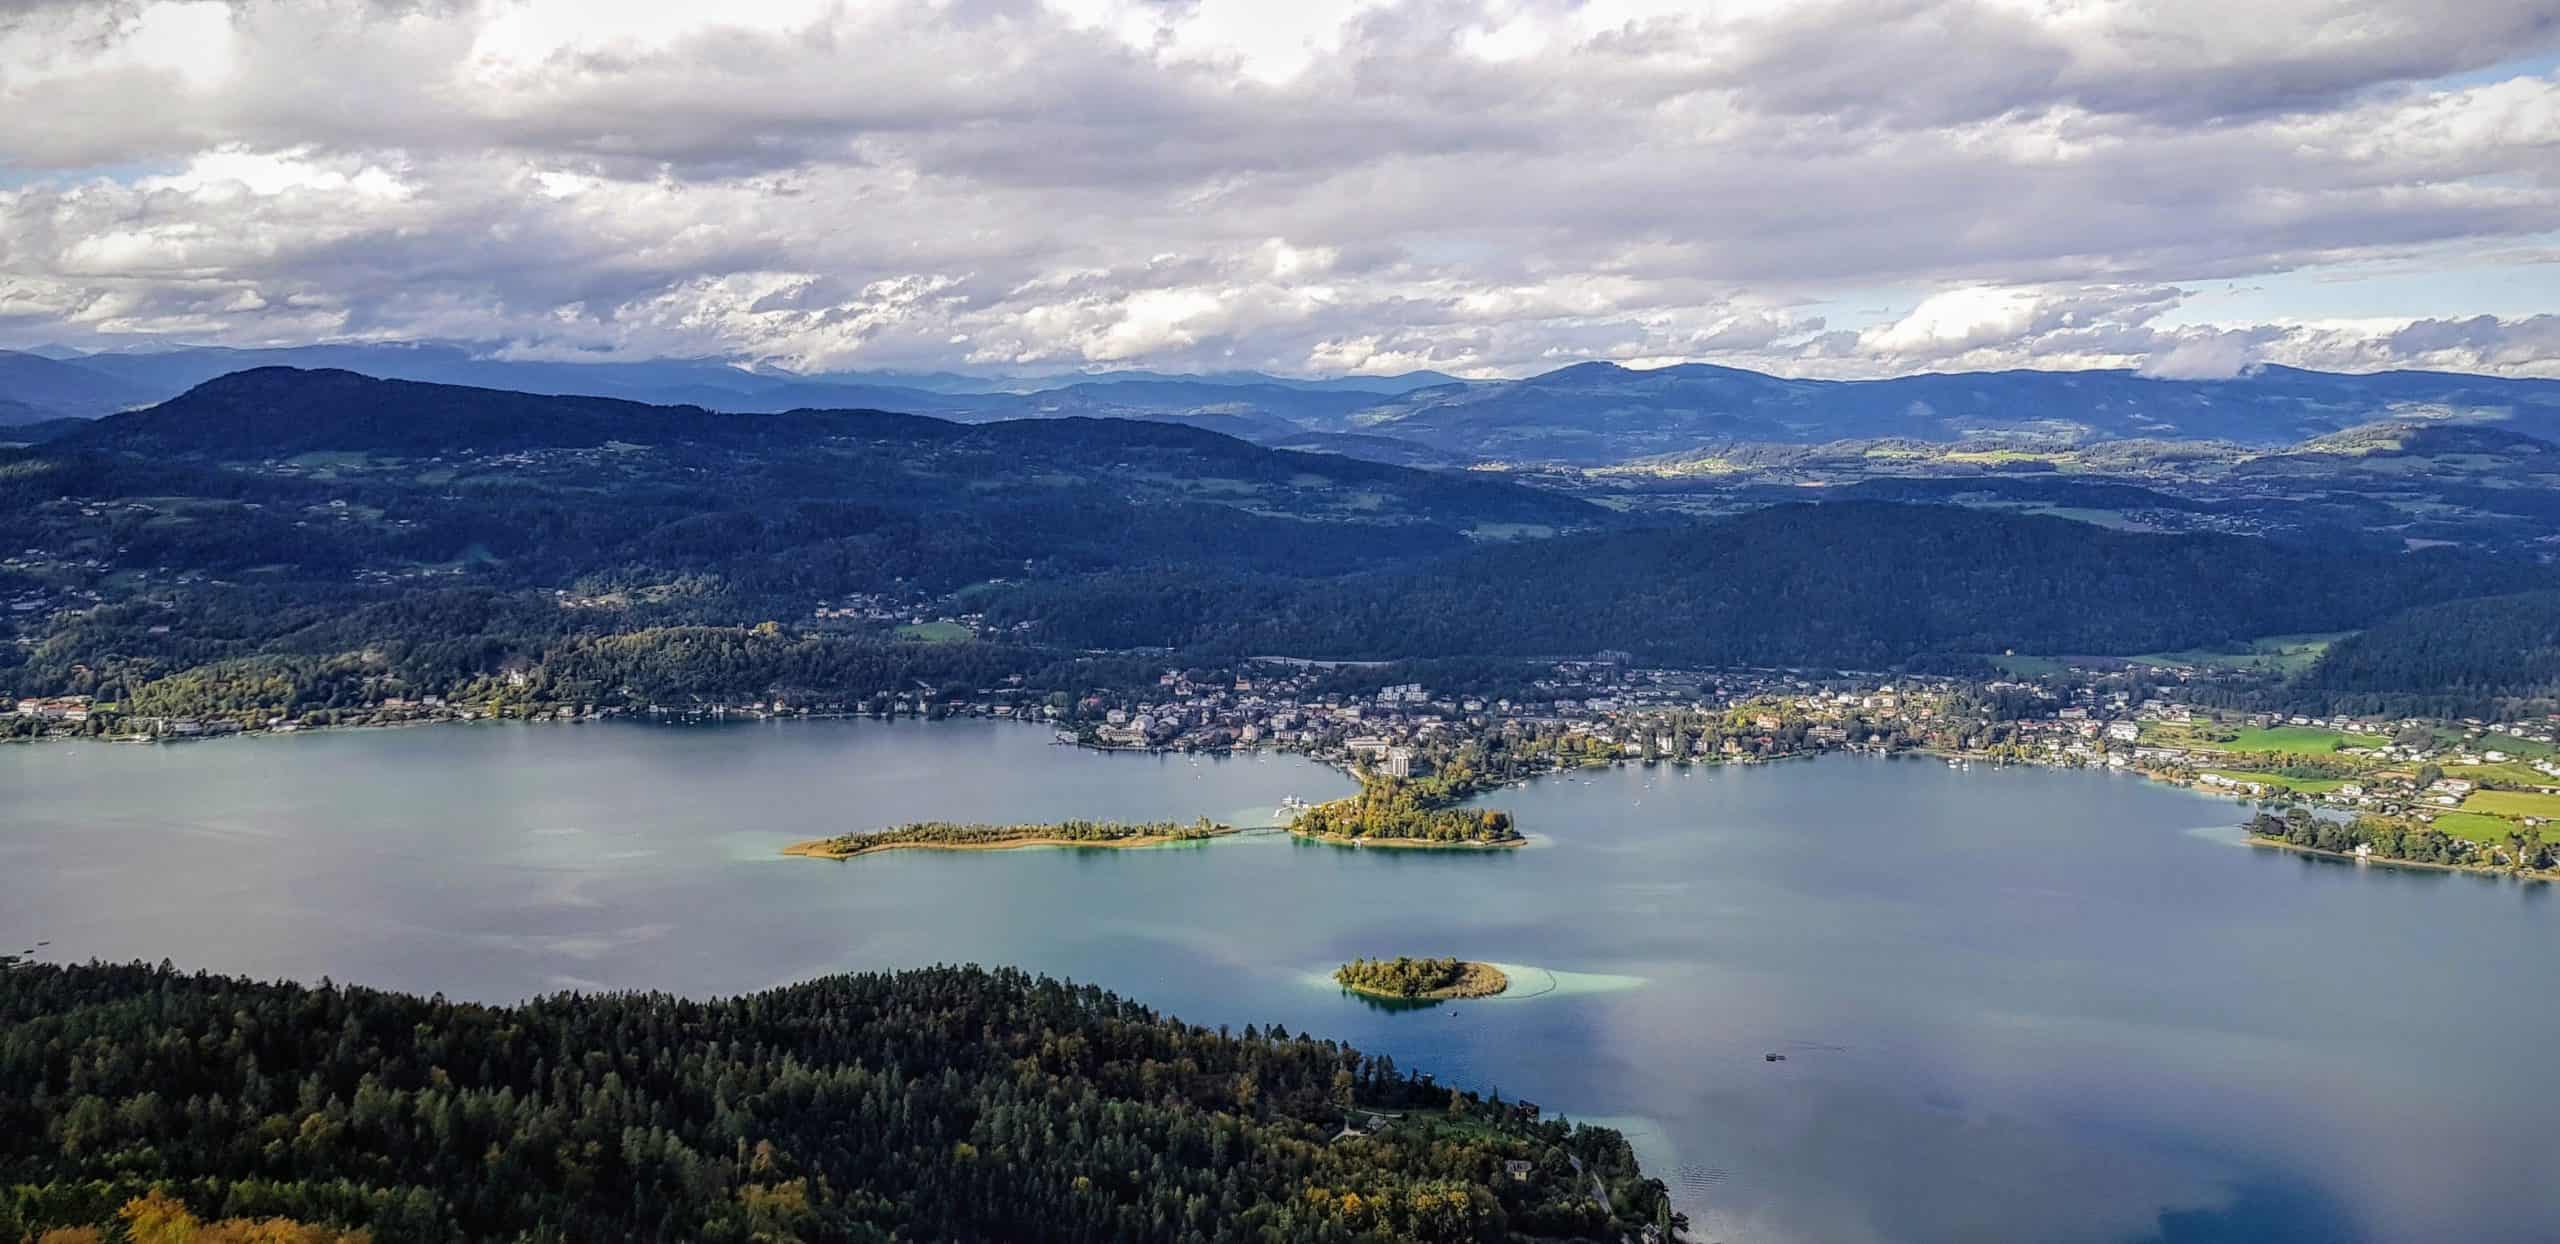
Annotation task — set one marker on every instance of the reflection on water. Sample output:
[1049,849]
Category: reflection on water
[2014,1003]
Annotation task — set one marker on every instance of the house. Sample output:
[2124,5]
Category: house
[1518,1169]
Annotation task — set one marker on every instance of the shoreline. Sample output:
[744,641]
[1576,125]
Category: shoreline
[816,848]
[2384,861]
[1411,844]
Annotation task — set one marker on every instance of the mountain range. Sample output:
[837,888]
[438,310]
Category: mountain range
[1588,414]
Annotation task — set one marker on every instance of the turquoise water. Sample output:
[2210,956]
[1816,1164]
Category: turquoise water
[2015,1004]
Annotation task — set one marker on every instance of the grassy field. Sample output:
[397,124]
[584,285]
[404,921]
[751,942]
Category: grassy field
[2027,666]
[2512,772]
[2307,786]
[936,632]
[2475,826]
[2283,654]
[2513,803]
[2514,746]
[1511,531]
[2288,740]
[2299,740]
[2113,519]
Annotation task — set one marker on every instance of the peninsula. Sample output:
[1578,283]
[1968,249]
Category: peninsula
[951,836]
[1420,980]
[1397,812]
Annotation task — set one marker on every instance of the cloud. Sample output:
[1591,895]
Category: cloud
[1371,184]
[2220,356]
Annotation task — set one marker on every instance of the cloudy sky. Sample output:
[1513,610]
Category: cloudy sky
[1301,186]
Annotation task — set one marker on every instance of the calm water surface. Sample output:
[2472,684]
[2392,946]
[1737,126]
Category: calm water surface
[2017,1004]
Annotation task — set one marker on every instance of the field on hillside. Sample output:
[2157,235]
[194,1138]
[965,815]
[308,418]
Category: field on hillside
[2306,786]
[2475,827]
[2287,740]
[2281,654]
[2513,803]
[936,632]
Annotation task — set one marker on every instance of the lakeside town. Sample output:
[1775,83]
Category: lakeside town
[2484,790]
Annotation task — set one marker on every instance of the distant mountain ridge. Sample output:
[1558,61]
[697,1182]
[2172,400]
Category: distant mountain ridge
[59,383]
[1587,414]
[1599,413]
[274,413]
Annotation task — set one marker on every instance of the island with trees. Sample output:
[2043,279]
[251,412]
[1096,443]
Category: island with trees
[1421,979]
[953,836]
[1401,812]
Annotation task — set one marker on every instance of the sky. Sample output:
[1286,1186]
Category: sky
[2192,188]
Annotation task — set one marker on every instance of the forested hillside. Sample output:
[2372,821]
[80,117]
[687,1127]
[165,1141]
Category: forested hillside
[1858,584]
[2498,655]
[325,527]
[278,542]
[944,1104]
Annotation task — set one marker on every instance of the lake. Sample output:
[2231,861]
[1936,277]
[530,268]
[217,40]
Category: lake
[2016,1003]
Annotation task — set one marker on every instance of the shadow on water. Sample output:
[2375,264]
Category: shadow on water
[1393,1005]
[2268,1210]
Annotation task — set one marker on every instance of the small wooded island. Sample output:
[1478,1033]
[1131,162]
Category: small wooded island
[1421,979]
[1404,813]
[951,836]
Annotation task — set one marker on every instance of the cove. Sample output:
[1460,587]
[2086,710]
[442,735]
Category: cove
[2015,1003]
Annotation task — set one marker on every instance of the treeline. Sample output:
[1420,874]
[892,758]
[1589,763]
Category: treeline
[2397,840]
[246,657]
[2492,657]
[158,1218]
[1858,585]
[943,1104]
[954,834]
[1398,808]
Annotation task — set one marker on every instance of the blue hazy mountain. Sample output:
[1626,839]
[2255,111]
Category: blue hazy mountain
[60,383]
[1585,414]
[1601,412]
[35,387]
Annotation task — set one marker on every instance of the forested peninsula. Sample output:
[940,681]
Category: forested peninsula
[1419,979]
[940,1104]
[1409,813]
[952,836]
[2395,841]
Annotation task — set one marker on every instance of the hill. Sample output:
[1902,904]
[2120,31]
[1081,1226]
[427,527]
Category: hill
[1268,403]
[274,414]
[943,1104]
[2499,655]
[282,537]
[1598,413]
[1857,584]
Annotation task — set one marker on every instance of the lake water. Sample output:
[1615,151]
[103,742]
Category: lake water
[2016,1004]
